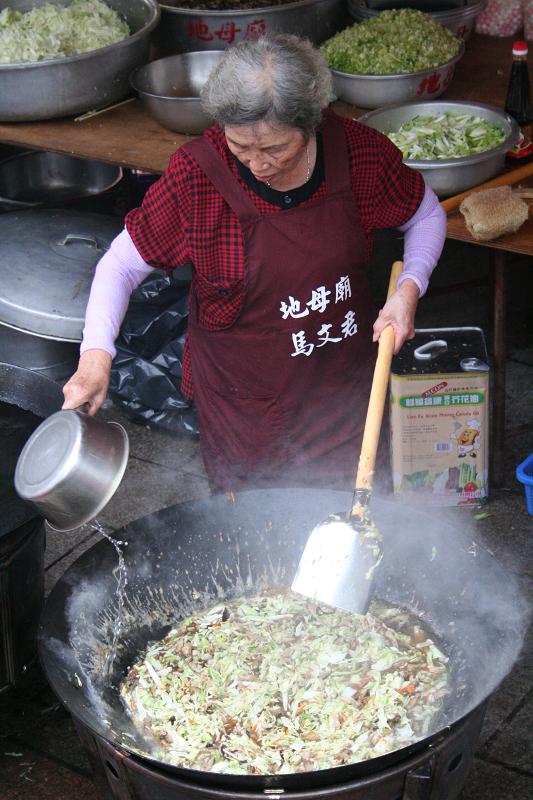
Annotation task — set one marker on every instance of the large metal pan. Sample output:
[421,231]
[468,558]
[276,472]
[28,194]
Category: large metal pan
[39,178]
[193,554]
[58,87]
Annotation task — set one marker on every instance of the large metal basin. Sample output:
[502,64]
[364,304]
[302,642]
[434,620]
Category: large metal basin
[375,91]
[451,175]
[170,87]
[459,16]
[63,86]
[185,29]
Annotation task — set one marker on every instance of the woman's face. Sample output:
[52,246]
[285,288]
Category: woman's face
[271,154]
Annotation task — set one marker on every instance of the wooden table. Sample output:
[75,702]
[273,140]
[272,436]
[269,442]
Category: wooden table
[127,136]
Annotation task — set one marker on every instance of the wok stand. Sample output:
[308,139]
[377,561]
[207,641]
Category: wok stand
[438,773]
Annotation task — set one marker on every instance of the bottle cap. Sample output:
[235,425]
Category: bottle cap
[520,48]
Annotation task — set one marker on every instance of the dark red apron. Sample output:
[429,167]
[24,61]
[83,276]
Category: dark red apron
[281,393]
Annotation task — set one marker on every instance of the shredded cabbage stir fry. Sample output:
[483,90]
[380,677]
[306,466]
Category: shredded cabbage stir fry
[54,31]
[393,42]
[446,136]
[279,684]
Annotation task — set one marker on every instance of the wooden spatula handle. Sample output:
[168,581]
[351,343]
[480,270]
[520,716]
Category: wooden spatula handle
[378,394]
[505,179]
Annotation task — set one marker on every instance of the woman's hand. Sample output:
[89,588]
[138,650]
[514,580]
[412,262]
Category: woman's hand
[399,311]
[90,382]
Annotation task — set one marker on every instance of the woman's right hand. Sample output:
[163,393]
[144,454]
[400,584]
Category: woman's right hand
[90,382]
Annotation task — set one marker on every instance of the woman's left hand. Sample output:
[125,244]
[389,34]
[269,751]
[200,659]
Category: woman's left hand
[399,311]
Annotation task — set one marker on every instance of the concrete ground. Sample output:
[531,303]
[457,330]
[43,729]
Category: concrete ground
[40,756]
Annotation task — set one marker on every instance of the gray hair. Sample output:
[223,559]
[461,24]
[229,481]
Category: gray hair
[275,78]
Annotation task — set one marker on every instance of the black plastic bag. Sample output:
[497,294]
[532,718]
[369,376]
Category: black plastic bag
[146,371]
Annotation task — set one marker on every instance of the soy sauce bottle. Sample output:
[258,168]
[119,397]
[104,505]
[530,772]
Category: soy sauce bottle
[518,105]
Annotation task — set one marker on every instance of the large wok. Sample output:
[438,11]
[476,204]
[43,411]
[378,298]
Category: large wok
[189,556]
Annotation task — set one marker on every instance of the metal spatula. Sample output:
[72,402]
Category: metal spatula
[341,555]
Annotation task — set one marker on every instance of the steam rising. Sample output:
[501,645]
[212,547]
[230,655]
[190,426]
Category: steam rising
[191,556]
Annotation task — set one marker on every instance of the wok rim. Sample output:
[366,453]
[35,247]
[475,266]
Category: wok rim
[295,781]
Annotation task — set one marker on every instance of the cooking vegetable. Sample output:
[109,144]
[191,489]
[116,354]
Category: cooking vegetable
[278,683]
[55,31]
[446,135]
[395,41]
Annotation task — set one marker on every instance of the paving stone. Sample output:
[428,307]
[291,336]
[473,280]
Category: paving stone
[511,745]
[58,544]
[147,488]
[32,717]
[508,531]
[512,692]
[33,776]
[488,781]
[62,563]
[179,450]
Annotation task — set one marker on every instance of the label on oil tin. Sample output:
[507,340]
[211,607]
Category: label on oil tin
[439,426]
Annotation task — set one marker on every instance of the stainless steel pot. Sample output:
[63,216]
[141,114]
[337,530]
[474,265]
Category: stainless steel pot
[71,466]
[47,263]
[62,86]
[185,29]
[37,177]
[55,360]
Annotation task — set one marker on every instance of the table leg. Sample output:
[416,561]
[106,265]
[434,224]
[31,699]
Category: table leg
[499,349]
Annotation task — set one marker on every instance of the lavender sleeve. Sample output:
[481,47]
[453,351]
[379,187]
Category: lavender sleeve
[117,274]
[424,237]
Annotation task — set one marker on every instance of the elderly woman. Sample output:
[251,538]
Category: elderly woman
[275,207]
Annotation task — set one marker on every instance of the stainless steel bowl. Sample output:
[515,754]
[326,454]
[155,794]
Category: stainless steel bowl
[62,86]
[459,16]
[452,175]
[185,29]
[71,466]
[375,91]
[37,177]
[170,89]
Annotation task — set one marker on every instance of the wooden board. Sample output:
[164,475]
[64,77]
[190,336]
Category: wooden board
[519,242]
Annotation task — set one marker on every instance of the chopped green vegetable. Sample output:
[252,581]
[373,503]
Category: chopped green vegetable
[55,31]
[483,515]
[446,135]
[395,41]
[277,684]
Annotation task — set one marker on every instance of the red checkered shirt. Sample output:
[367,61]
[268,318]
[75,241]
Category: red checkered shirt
[184,219]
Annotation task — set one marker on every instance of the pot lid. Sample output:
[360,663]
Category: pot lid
[47,263]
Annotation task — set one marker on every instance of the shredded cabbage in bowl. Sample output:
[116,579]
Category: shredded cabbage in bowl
[277,684]
[394,42]
[54,31]
[427,138]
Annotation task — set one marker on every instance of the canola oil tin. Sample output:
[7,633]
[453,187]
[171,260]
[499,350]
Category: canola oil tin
[439,410]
